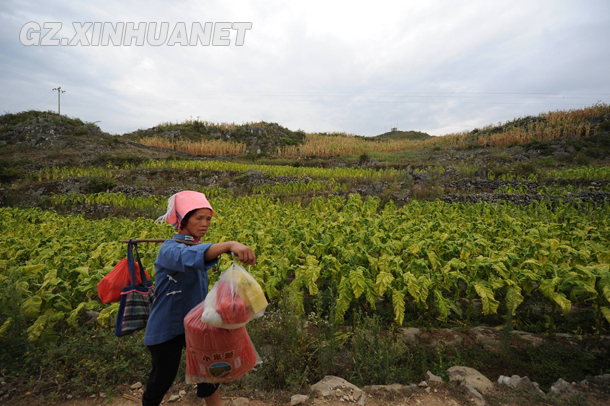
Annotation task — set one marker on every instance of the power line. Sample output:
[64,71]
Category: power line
[43,100]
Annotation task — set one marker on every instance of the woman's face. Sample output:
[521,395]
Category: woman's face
[198,223]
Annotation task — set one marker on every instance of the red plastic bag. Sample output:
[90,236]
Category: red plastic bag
[109,288]
[216,355]
[235,299]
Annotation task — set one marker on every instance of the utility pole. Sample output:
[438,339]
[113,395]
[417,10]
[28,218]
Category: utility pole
[59,92]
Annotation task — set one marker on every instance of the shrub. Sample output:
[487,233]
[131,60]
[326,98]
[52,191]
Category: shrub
[8,172]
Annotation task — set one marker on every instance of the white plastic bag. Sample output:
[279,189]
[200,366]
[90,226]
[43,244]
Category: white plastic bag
[235,299]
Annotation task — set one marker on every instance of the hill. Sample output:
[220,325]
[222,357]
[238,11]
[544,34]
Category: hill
[36,139]
[256,138]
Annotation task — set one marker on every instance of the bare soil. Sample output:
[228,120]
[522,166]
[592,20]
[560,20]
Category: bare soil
[440,395]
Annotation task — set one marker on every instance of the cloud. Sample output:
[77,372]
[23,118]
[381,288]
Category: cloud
[435,66]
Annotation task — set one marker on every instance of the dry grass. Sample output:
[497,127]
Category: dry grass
[341,144]
[571,123]
[206,147]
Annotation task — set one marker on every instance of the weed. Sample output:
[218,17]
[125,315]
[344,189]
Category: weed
[281,339]
[99,185]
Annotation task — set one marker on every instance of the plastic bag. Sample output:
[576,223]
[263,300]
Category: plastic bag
[109,288]
[235,299]
[216,355]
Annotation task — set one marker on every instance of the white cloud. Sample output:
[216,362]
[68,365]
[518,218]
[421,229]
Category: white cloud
[436,66]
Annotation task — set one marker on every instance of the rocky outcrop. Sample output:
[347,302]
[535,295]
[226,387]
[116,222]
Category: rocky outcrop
[470,376]
[335,387]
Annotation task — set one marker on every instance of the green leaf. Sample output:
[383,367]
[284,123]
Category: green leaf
[441,304]
[43,322]
[398,300]
[434,260]
[513,299]
[5,326]
[356,278]
[32,269]
[490,304]
[311,273]
[83,272]
[606,292]
[108,313]
[31,307]
[344,299]
[74,314]
[384,280]
[59,303]
[605,312]
[563,302]
[547,287]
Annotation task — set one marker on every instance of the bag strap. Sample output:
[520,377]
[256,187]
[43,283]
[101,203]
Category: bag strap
[142,273]
[131,264]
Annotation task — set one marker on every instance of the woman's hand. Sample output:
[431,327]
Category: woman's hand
[244,253]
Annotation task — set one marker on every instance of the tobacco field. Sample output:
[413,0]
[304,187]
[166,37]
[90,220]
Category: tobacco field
[423,261]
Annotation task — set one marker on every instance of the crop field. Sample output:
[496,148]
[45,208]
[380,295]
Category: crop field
[504,228]
[424,260]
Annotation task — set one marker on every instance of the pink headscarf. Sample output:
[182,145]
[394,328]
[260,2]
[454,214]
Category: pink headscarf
[181,203]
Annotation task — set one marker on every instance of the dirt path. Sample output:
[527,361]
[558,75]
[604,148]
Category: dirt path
[440,398]
[443,395]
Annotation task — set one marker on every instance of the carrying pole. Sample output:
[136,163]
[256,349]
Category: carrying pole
[161,240]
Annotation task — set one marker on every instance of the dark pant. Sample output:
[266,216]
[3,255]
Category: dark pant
[165,362]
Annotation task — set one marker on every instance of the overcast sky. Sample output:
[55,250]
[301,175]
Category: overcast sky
[359,67]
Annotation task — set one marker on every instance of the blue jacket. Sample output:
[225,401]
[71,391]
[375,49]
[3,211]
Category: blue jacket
[181,283]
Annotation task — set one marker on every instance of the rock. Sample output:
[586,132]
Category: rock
[432,379]
[503,380]
[422,177]
[603,378]
[514,381]
[182,393]
[336,387]
[69,397]
[241,402]
[136,385]
[173,398]
[470,376]
[477,397]
[401,197]
[450,172]
[561,388]
[92,318]
[532,339]
[103,395]
[423,384]
[410,333]
[298,399]
[427,389]
[523,384]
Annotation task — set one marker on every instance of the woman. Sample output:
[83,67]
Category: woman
[181,283]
